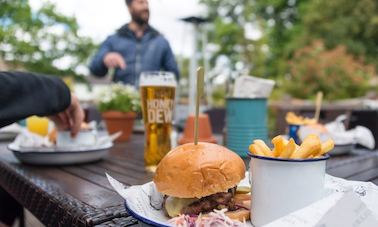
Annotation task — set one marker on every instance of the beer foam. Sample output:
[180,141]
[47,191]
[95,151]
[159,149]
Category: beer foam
[158,78]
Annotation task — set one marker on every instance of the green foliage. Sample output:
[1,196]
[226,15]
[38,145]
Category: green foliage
[335,72]
[282,24]
[119,97]
[295,24]
[343,22]
[228,32]
[183,87]
[289,25]
[218,96]
[35,40]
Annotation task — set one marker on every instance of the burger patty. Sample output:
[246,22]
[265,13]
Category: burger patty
[209,203]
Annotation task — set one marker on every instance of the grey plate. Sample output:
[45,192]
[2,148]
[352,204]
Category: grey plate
[60,156]
[7,136]
[342,149]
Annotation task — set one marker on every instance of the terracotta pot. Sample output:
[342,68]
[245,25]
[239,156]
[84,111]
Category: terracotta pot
[119,121]
[204,130]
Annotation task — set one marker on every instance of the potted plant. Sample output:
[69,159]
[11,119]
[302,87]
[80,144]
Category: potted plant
[118,105]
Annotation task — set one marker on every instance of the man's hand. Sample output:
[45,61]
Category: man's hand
[71,118]
[113,60]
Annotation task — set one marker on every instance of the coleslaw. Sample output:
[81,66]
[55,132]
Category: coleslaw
[217,218]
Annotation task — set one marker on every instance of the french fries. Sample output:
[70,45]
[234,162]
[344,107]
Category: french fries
[243,190]
[292,118]
[264,148]
[310,148]
[279,144]
[288,149]
[326,146]
[256,150]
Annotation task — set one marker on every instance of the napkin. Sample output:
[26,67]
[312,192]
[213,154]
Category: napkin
[29,139]
[348,204]
[252,87]
[144,200]
[337,131]
[12,128]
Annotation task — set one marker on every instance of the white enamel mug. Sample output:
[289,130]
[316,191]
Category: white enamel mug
[281,186]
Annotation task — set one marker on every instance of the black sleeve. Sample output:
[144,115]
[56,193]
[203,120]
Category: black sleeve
[25,94]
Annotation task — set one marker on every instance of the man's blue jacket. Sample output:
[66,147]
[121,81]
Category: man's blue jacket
[149,53]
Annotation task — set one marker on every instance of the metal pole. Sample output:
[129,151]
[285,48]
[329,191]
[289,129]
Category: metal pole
[193,71]
[206,63]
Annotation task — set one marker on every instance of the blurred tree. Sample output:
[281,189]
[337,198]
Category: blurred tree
[236,33]
[218,96]
[37,40]
[282,23]
[343,22]
[288,25]
[292,24]
[183,87]
[335,72]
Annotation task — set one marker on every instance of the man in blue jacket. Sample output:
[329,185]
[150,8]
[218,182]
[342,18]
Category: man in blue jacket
[136,47]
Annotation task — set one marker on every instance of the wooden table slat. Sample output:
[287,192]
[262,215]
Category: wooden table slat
[89,176]
[347,167]
[368,175]
[139,175]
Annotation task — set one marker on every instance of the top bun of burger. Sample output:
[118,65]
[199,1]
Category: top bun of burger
[196,171]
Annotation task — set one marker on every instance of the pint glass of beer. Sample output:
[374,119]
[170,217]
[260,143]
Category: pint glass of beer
[157,96]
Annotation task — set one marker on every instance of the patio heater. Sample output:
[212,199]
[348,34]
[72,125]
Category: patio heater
[197,23]
[205,133]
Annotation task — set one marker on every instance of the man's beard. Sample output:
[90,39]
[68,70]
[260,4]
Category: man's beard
[137,18]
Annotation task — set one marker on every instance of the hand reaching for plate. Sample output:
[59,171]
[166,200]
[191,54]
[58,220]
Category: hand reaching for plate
[71,118]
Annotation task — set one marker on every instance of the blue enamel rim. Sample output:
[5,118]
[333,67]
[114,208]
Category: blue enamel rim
[325,157]
[344,145]
[231,98]
[142,219]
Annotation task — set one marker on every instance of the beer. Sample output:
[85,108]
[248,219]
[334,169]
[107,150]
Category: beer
[157,94]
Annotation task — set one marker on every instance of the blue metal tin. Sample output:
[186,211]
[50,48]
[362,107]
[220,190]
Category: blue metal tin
[293,133]
[246,120]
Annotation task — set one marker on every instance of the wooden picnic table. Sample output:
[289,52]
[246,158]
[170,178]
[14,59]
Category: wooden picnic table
[80,195]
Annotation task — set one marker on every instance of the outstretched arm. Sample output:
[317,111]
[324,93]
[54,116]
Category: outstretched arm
[24,94]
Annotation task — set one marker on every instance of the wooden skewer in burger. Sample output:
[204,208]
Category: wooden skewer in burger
[197,178]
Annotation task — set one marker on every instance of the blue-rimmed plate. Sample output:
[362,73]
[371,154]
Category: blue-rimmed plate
[144,202]
[143,220]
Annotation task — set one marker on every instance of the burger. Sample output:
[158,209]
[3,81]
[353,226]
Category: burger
[197,179]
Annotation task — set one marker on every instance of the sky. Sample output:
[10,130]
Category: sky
[100,18]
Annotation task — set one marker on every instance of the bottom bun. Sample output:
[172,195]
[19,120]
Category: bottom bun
[240,215]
